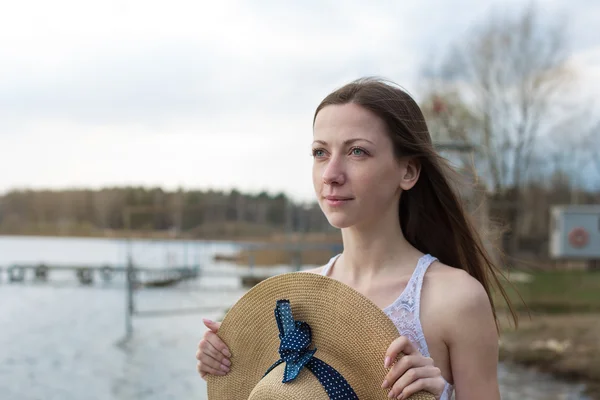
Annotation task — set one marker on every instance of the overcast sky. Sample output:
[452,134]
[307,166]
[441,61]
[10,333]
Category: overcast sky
[208,94]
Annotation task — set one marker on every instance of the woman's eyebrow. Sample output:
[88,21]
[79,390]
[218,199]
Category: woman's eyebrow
[346,142]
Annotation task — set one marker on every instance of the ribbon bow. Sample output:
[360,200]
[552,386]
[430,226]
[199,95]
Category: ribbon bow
[295,339]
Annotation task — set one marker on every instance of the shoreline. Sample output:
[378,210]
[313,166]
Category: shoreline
[563,345]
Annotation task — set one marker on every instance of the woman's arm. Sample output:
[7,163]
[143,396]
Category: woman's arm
[472,340]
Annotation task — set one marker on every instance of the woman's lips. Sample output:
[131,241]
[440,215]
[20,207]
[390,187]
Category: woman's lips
[337,200]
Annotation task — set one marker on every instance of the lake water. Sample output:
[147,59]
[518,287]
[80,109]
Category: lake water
[60,340]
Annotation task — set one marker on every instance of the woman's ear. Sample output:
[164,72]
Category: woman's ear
[410,173]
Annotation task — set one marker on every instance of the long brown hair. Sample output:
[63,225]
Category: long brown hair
[432,217]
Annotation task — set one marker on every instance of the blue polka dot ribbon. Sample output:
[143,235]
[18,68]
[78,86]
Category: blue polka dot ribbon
[295,338]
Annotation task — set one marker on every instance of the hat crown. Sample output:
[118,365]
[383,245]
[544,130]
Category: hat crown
[305,386]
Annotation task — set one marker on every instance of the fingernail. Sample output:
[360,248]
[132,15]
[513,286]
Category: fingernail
[226,353]
[226,362]
[207,321]
[225,368]
[386,362]
[385,384]
[400,396]
[390,395]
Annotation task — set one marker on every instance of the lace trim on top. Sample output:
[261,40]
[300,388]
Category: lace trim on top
[405,310]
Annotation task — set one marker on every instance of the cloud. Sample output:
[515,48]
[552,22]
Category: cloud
[168,62]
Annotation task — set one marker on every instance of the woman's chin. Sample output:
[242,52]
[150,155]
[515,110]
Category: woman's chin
[339,221]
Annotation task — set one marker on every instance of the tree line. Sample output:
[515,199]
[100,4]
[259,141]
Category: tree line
[232,214]
[191,213]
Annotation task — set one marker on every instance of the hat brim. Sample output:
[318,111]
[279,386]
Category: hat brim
[349,331]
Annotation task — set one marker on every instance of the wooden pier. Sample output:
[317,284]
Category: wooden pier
[88,274]
[140,276]
[134,277]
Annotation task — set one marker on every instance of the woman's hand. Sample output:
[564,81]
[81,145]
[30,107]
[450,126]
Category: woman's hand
[212,355]
[412,373]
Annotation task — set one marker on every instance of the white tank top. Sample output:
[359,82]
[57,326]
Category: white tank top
[405,310]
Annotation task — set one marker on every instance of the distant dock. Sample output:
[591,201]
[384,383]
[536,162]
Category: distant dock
[88,274]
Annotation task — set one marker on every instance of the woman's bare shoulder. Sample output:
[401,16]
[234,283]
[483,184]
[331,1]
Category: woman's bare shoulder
[446,275]
[457,291]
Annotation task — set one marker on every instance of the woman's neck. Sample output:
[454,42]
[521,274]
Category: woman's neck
[375,251]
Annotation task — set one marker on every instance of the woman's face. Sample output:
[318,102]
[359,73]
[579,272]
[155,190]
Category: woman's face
[356,176]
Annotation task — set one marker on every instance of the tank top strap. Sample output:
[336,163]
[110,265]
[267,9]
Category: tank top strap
[422,266]
[327,266]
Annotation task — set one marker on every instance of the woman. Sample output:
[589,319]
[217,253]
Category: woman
[378,178]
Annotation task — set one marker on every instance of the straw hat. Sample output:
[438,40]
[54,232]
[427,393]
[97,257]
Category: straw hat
[330,333]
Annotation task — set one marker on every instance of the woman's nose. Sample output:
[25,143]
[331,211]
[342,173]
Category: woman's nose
[334,174]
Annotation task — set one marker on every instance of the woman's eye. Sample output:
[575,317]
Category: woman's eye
[318,153]
[357,152]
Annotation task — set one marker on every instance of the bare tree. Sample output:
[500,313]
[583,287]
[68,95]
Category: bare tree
[175,206]
[507,83]
[103,203]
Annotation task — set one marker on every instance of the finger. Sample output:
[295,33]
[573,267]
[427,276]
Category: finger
[209,362]
[205,349]
[405,364]
[401,345]
[204,369]
[206,346]
[427,384]
[217,343]
[212,325]
[411,376]
[211,355]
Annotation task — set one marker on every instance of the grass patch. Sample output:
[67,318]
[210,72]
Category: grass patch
[554,292]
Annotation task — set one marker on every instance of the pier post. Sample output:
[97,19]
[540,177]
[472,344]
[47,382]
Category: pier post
[129,283]
[41,272]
